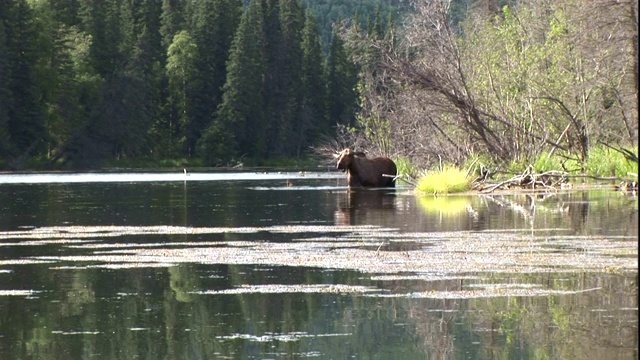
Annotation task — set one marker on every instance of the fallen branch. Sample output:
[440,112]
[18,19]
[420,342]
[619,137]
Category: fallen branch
[405,177]
[551,180]
[530,179]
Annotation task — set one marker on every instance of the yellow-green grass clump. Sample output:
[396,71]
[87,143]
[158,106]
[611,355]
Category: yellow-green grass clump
[449,180]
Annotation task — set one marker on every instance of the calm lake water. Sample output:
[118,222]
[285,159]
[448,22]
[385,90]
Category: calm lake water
[288,265]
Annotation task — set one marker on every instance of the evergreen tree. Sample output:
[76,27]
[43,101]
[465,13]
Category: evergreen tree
[239,122]
[213,25]
[341,78]
[289,58]
[25,112]
[172,20]
[100,19]
[55,74]
[314,121]
[142,71]
[89,80]
[274,92]
[5,93]
[165,130]
[378,26]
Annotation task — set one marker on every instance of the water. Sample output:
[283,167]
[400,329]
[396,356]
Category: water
[255,265]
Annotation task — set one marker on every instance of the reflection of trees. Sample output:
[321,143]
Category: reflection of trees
[600,323]
[595,324]
[556,210]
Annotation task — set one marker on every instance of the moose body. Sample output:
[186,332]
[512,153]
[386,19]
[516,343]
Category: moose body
[361,171]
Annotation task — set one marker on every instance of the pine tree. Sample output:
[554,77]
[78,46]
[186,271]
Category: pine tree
[5,93]
[341,78]
[239,122]
[213,25]
[25,113]
[289,70]
[165,130]
[172,20]
[314,119]
[143,72]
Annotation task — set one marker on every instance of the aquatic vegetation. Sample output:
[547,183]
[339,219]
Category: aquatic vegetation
[433,256]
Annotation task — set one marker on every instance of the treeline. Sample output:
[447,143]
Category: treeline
[84,81]
[330,12]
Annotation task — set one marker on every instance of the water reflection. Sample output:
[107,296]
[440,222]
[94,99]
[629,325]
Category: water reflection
[357,206]
[576,212]
[72,303]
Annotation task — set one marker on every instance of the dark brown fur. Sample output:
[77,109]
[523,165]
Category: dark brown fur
[367,172]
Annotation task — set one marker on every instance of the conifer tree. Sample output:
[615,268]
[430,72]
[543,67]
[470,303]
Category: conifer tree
[165,130]
[341,78]
[289,70]
[25,113]
[143,71]
[238,127]
[171,20]
[314,121]
[213,25]
[5,93]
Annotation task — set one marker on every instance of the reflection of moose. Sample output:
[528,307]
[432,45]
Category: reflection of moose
[364,206]
[376,172]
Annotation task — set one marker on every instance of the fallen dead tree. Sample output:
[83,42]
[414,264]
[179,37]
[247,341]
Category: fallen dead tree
[549,180]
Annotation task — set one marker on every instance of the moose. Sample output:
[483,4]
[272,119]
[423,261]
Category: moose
[376,172]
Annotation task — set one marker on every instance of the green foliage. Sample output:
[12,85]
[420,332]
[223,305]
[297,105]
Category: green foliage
[544,162]
[530,68]
[85,81]
[25,113]
[406,167]
[602,162]
[607,162]
[376,128]
[476,164]
[449,180]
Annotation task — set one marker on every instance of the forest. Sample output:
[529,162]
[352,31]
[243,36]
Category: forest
[99,83]
[84,83]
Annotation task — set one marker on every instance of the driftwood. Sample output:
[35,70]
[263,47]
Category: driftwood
[405,177]
[529,179]
[549,180]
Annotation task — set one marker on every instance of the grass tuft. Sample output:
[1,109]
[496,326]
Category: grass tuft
[448,181]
